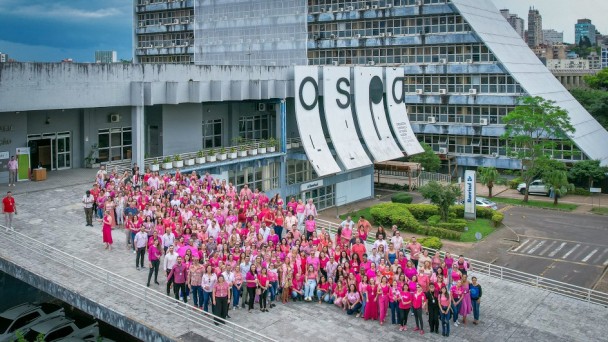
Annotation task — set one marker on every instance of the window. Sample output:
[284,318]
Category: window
[23,321]
[212,133]
[322,197]
[263,178]
[299,171]
[59,333]
[255,126]
[114,144]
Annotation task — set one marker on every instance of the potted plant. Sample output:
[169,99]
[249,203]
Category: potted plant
[167,164]
[232,152]
[295,144]
[155,166]
[262,147]
[222,155]
[242,150]
[200,157]
[189,161]
[211,157]
[272,145]
[90,161]
[252,150]
[177,161]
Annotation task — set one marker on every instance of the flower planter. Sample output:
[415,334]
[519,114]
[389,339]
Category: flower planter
[243,153]
[295,145]
[232,155]
[289,146]
[189,162]
[262,150]
[253,152]
[211,159]
[200,160]
[178,163]
[271,149]
[167,166]
[155,167]
[222,156]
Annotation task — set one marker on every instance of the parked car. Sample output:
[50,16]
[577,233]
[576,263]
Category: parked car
[63,327]
[483,202]
[536,187]
[22,317]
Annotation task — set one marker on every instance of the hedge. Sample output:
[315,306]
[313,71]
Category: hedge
[387,214]
[581,192]
[432,242]
[513,183]
[454,224]
[440,233]
[497,218]
[422,211]
[402,197]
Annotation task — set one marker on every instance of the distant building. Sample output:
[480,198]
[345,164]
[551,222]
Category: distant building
[568,64]
[572,79]
[3,57]
[535,28]
[560,51]
[604,57]
[552,37]
[584,28]
[105,57]
[67,60]
[595,61]
[515,21]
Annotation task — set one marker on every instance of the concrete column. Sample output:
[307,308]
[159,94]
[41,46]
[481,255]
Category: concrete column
[283,124]
[138,134]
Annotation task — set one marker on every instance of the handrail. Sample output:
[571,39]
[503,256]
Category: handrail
[151,298]
[504,273]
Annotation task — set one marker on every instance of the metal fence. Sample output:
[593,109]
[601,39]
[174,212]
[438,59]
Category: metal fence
[508,274]
[17,246]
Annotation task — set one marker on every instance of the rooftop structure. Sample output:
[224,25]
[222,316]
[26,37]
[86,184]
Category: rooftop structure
[535,28]
[515,21]
[584,29]
[105,57]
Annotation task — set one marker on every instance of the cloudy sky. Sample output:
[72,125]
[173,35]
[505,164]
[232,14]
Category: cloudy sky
[50,30]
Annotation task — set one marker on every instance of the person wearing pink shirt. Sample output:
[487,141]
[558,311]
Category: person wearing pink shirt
[311,226]
[154,259]
[352,301]
[263,285]
[384,290]
[418,302]
[405,302]
[300,208]
[220,299]
[456,291]
[371,307]
[311,283]
[251,279]
[394,297]
[178,273]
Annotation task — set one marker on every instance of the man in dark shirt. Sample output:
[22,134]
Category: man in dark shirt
[432,308]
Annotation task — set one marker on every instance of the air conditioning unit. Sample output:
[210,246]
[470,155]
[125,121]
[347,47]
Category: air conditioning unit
[358,35]
[335,63]
[431,120]
[374,6]
[389,5]
[261,107]
[483,121]
[382,34]
[341,9]
[332,36]
[472,91]
[443,61]
[350,8]
[494,154]
[367,7]
[419,3]
[323,10]
[443,150]
[443,91]
[186,21]
[371,63]
[186,43]
[419,91]
[390,34]
[141,24]
[114,118]
[175,21]
[469,61]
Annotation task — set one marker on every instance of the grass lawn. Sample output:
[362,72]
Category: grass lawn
[356,214]
[536,204]
[484,226]
[600,211]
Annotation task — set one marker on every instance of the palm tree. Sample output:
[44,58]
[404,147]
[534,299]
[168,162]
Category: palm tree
[557,182]
[487,177]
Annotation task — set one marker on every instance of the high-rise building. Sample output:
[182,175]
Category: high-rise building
[584,28]
[604,57]
[105,57]
[516,22]
[535,28]
[462,72]
[3,57]
[552,37]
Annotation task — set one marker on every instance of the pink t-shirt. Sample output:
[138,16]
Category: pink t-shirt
[406,297]
[419,298]
[249,277]
[310,226]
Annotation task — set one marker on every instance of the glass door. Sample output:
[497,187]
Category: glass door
[64,151]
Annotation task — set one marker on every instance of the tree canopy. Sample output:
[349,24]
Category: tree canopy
[587,171]
[599,80]
[488,176]
[443,196]
[595,102]
[427,159]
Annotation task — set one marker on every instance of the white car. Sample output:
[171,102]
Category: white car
[62,327]
[22,317]
[536,187]
[483,202]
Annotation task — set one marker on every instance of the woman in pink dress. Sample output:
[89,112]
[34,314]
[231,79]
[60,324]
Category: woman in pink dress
[383,299]
[465,306]
[111,208]
[106,230]
[371,307]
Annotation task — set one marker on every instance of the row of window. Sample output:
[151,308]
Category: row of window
[458,114]
[166,59]
[182,16]
[114,144]
[253,127]
[484,84]
[492,146]
[169,39]
[300,171]
[262,178]
[316,6]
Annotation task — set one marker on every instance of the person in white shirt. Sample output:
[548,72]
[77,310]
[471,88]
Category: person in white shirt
[380,241]
[397,240]
[13,167]
[168,262]
[348,223]
[88,201]
[310,209]
[265,231]
[168,239]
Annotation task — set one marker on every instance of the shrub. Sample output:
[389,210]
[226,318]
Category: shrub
[433,220]
[513,183]
[581,192]
[454,224]
[440,233]
[432,242]
[497,218]
[402,197]
[387,214]
[422,211]
[457,210]
[486,213]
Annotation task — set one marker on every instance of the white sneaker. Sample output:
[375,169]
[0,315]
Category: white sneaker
[456,324]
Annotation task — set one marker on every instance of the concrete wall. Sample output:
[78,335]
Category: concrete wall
[94,119]
[182,128]
[12,135]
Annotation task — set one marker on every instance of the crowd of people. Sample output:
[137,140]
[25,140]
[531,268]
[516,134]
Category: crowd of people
[232,248]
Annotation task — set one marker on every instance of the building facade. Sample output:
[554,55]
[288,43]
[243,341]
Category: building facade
[568,64]
[106,57]
[515,21]
[604,57]
[552,37]
[3,57]
[584,29]
[535,28]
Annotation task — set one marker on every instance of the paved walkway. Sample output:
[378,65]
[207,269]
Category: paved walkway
[510,312]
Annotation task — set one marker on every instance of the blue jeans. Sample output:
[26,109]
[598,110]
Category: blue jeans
[309,288]
[197,296]
[320,294]
[206,300]
[394,307]
[475,305]
[235,296]
[363,302]
[455,311]
[328,299]
[355,309]
[273,289]
[445,321]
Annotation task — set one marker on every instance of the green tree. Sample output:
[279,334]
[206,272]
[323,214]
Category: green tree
[443,196]
[588,170]
[595,102]
[528,129]
[427,159]
[557,182]
[488,176]
[599,80]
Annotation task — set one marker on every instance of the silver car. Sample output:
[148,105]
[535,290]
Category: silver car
[63,327]
[22,317]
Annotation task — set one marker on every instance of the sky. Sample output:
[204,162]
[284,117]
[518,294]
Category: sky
[51,30]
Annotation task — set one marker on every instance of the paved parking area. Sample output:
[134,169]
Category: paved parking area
[568,251]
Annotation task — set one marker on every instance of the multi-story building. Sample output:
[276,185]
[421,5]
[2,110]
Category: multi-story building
[604,57]
[535,28]
[552,37]
[105,57]
[568,64]
[460,75]
[3,57]
[595,60]
[584,28]
[516,22]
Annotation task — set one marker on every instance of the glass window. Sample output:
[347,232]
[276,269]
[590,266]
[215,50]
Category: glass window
[212,133]
[114,144]
[255,127]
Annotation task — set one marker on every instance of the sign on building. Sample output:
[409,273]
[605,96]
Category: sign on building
[469,195]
